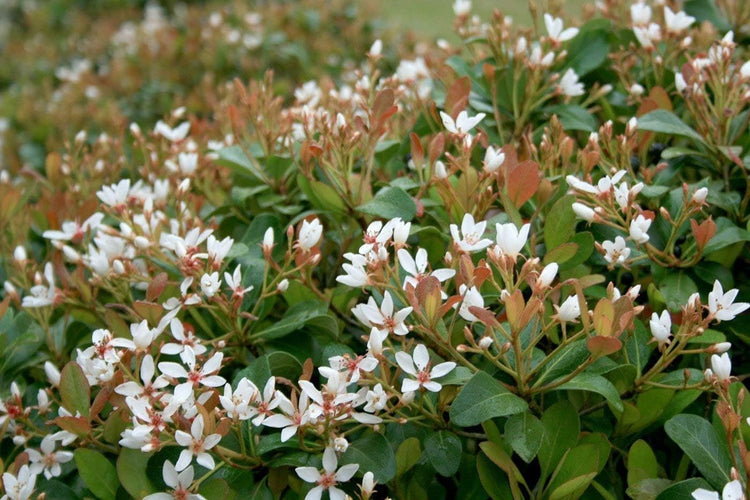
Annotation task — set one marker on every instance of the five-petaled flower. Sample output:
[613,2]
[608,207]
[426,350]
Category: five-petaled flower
[422,374]
[328,478]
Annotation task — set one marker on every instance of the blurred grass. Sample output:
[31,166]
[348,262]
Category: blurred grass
[434,18]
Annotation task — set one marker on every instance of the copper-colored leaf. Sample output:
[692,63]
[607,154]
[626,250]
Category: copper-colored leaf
[522,182]
[603,346]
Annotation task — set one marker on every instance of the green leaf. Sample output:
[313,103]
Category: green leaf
[75,390]
[683,489]
[389,203]
[131,471]
[560,222]
[56,489]
[564,361]
[590,48]
[677,287]
[592,382]
[407,455]
[727,233]
[580,467]
[573,117]
[373,453]
[666,122]
[443,450]
[698,439]
[705,10]
[483,398]
[642,463]
[294,319]
[236,159]
[524,432]
[321,195]
[494,480]
[561,428]
[217,489]
[97,472]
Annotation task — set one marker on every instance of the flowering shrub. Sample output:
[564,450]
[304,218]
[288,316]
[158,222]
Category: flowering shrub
[508,269]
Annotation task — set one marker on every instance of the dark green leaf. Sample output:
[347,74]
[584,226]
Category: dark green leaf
[443,449]
[573,117]
[560,222]
[592,382]
[683,489]
[97,472]
[131,471]
[483,398]
[407,455]
[524,432]
[561,428]
[698,439]
[579,468]
[373,453]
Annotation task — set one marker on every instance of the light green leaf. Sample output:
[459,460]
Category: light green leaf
[483,398]
[560,223]
[698,439]
[389,203]
[666,122]
[642,463]
[407,455]
[580,467]
[75,390]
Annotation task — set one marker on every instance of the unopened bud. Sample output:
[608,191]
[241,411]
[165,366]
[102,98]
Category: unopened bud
[376,49]
[142,242]
[407,398]
[632,126]
[462,348]
[485,342]
[221,344]
[80,137]
[720,347]
[184,187]
[19,253]
[340,444]
[700,195]
[135,129]
[283,285]
[52,373]
[448,258]
[118,266]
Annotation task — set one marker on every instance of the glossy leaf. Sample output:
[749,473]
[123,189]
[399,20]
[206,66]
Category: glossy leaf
[483,398]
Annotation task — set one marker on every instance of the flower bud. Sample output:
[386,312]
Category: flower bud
[700,195]
[720,347]
[340,444]
[20,254]
[407,398]
[53,374]
[584,212]
[376,49]
[485,342]
[283,286]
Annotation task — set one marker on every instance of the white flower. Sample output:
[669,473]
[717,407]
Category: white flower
[745,70]
[493,159]
[510,241]
[383,317]
[376,49]
[640,13]
[376,399]
[555,30]
[732,491]
[639,229]
[440,171]
[569,84]
[569,310]
[677,22]
[376,235]
[175,134]
[210,284]
[116,194]
[309,234]
[679,82]
[328,478]
[721,305]
[186,341]
[179,482]
[462,7]
[583,211]
[463,123]
[20,486]
[423,377]
[417,267]
[196,445]
[234,282]
[646,36]
[294,418]
[48,460]
[470,298]
[721,366]
[218,249]
[238,403]
[368,484]
[356,272]
[194,378]
[401,231]
[271,398]
[73,230]
[547,275]
[661,327]
[149,388]
[472,232]
[617,252]
[41,295]
[636,89]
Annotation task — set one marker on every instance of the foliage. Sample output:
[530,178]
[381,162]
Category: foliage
[511,268]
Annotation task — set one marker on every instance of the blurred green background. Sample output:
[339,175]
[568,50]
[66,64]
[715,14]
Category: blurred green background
[435,17]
